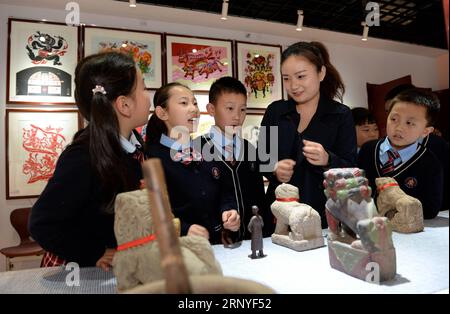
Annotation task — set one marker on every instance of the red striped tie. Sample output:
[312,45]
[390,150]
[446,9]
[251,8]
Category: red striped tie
[389,165]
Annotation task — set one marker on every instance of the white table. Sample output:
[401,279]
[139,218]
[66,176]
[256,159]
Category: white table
[422,267]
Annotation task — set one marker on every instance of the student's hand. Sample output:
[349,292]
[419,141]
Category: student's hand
[197,230]
[231,220]
[284,170]
[105,262]
[315,153]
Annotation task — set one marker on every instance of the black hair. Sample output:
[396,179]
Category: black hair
[226,84]
[332,85]
[420,98]
[362,116]
[116,73]
[397,90]
[155,126]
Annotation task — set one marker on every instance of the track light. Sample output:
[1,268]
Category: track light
[132,3]
[224,10]
[300,21]
[365,35]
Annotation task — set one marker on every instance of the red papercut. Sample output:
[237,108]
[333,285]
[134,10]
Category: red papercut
[43,147]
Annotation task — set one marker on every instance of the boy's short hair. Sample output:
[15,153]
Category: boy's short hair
[420,98]
[362,116]
[226,84]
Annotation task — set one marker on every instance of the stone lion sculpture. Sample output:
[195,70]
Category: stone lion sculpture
[404,212]
[298,225]
[138,262]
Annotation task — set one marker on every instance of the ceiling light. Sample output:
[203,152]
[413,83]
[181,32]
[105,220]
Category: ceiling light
[224,10]
[365,35]
[300,21]
[132,3]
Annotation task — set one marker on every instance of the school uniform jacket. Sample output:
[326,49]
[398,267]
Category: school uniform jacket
[420,177]
[247,184]
[196,192]
[332,126]
[69,219]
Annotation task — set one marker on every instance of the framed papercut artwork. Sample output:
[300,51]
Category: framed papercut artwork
[34,141]
[42,57]
[144,47]
[198,62]
[251,126]
[258,67]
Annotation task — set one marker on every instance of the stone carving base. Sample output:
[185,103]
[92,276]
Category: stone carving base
[355,262]
[302,245]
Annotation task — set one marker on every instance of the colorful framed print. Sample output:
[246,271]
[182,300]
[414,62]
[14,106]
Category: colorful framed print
[251,126]
[144,47]
[42,57]
[34,141]
[258,67]
[197,62]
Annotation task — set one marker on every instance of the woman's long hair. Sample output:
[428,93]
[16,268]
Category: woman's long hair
[116,74]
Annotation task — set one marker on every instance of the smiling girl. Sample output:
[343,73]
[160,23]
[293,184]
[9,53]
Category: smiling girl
[197,191]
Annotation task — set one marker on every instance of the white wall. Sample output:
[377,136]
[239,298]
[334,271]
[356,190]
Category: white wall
[357,66]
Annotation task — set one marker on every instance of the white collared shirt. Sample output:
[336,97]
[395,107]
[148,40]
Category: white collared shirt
[129,146]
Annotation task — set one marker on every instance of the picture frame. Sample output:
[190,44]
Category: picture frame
[197,61]
[258,68]
[34,141]
[41,62]
[251,126]
[144,47]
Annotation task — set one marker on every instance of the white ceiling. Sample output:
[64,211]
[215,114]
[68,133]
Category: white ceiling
[171,15]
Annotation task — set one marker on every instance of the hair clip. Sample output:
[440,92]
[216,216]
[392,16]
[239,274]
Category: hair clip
[98,89]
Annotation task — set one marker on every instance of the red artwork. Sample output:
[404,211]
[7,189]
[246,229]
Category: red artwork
[258,73]
[43,147]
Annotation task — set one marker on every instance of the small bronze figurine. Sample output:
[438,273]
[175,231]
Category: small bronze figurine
[255,227]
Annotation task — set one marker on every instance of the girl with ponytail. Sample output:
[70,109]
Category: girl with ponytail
[74,216]
[315,132]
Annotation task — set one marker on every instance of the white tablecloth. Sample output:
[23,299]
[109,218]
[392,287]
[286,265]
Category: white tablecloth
[422,267]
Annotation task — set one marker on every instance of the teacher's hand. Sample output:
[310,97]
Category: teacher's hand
[284,170]
[315,153]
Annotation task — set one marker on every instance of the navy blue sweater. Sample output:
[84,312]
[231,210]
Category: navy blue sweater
[247,185]
[197,192]
[69,219]
[421,176]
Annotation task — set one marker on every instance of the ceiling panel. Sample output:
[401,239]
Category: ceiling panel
[411,21]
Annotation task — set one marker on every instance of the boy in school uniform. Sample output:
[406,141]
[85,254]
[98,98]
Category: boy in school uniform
[402,155]
[234,156]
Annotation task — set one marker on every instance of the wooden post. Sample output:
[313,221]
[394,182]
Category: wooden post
[177,280]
